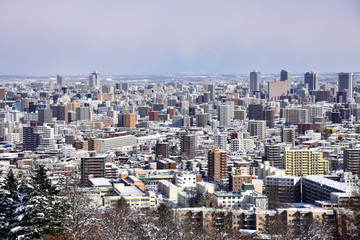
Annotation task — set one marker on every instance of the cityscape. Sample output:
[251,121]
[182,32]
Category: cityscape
[181,150]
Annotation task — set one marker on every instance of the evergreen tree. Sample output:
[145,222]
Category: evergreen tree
[41,212]
[9,199]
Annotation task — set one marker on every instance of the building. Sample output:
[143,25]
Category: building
[288,135]
[311,79]
[83,113]
[276,89]
[31,137]
[153,116]
[128,120]
[319,188]
[303,162]
[162,150]
[60,80]
[44,116]
[269,117]
[202,119]
[2,93]
[60,112]
[237,180]
[273,156]
[94,80]
[187,180]
[257,128]
[285,76]
[113,143]
[256,112]
[283,189]
[92,167]
[255,81]
[187,146]
[225,113]
[168,189]
[352,160]
[165,164]
[220,141]
[217,165]
[211,89]
[345,82]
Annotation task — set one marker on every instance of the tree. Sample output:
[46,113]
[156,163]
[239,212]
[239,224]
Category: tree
[40,211]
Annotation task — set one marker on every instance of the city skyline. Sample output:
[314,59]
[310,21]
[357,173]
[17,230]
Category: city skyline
[141,38]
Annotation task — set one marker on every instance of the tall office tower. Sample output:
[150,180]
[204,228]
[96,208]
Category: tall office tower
[303,162]
[273,156]
[94,80]
[92,166]
[346,83]
[221,141]
[153,116]
[129,120]
[352,160]
[202,119]
[162,150]
[257,128]
[44,116]
[120,120]
[187,146]
[269,116]
[311,78]
[211,89]
[217,165]
[285,76]
[256,112]
[225,114]
[83,113]
[118,86]
[255,81]
[288,135]
[143,111]
[125,86]
[60,112]
[60,80]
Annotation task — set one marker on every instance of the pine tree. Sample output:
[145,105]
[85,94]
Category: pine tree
[41,212]
[9,199]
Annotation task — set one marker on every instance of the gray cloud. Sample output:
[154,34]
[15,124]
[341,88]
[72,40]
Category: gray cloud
[162,37]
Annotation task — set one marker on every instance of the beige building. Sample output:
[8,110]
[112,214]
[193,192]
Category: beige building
[303,162]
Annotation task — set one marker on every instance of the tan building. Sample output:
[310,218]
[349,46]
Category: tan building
[129,120]
[277,89]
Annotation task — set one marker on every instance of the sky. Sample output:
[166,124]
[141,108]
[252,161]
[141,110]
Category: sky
[115,37]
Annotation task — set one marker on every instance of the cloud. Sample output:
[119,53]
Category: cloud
[170,37]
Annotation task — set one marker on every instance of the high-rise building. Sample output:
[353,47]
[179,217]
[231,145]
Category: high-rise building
[92,167]
[311,78]
[125,86]
[346,83]
[187,146]
[225,113]
[162,150]
[94,80]
[129,120]
[255,81]
[60,112]
[256,112]
[83,113]
[288,135]
[211,89]
[273,156]
[217,165]
[44,116]
[202,119]
[303,162]
[352,160]
[221,141]
[60,80]
[2,93]
[269,116]
[31,136]
[285,76]
[257,128]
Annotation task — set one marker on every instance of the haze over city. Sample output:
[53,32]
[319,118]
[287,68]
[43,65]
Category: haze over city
[162,37]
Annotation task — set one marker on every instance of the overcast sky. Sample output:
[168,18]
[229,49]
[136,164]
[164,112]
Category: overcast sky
[42,37]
